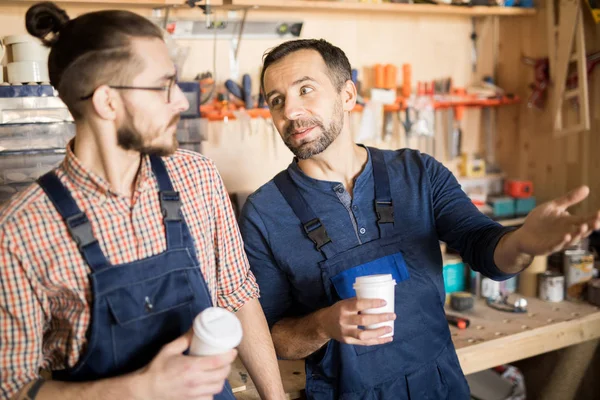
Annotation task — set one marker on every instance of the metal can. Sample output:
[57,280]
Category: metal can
[509,286]
[551,286]
[475,283]
[489,289]
[594,292]
[579,269]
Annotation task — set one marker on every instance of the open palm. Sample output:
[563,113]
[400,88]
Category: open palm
[550,227]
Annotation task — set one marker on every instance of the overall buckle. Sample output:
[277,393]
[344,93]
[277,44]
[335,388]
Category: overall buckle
[385,212]
[316,232]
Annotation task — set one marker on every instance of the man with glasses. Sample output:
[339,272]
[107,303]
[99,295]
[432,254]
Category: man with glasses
[105,262]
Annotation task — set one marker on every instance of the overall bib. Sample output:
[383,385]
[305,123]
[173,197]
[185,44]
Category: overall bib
[140,306]
[421,362]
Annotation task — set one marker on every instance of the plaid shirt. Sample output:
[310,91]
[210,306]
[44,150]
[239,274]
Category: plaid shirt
[45,293]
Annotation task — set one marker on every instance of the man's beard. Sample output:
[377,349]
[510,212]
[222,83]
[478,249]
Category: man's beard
[130,138]
[308,149]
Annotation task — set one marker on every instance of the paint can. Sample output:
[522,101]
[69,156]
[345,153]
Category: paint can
[489,289]
[551,286]
[594,292]
[578,266]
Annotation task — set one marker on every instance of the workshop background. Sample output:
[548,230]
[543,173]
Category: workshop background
[503,92]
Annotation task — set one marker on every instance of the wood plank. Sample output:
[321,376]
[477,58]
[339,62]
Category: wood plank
[340,6]
[141,3]
[292,376]
[496,337]
[567,22]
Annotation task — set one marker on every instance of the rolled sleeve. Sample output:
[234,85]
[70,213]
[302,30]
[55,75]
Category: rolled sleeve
[236,284]
[21,324]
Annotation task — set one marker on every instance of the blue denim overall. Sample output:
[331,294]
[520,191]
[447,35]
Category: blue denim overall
[421,362]
[140,306]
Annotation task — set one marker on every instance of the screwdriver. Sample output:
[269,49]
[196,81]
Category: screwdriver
[459,322]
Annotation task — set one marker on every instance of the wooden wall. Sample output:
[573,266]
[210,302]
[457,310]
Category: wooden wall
[526,146]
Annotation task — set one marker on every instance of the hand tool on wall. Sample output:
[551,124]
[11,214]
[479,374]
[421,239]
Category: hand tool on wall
[247,86]
[385,76]
[359,99]
[244,92]
[455,134]
[474,50]
[424,127]
[406,80]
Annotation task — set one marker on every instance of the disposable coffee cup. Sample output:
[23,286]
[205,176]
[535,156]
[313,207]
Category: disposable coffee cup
[216,331]
[377,287]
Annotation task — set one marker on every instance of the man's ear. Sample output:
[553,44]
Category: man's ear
[349,94]
[105,103]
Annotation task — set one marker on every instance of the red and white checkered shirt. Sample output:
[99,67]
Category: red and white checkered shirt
[45,293]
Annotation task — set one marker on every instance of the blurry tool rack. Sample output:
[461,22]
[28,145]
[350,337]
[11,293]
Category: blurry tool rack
[35,127]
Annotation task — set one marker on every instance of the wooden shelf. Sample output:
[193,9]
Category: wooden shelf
[340,6]
[133,3]
[312,5]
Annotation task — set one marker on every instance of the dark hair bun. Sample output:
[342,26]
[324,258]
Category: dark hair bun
[45,18]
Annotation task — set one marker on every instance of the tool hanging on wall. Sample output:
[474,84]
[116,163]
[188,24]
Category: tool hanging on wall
[474,50]
[566,46]
[456,135]
[244,92]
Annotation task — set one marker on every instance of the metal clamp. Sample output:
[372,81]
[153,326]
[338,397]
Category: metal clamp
[80,228]
[385,212]
[317,232]
[502,303]
[170,205]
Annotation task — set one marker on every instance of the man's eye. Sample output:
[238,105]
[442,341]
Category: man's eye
[305,90]
[276,101]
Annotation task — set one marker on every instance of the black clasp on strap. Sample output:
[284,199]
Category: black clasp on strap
[316,232]
[170,205]
[385,212]
[80,229]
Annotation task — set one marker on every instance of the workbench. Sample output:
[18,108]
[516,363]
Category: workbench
[493,338]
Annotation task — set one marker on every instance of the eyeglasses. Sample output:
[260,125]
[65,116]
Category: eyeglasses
[169,89]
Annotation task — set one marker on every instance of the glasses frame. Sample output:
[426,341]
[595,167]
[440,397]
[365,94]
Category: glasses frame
[168,88]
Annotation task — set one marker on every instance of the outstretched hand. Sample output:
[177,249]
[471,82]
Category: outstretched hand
[550,227]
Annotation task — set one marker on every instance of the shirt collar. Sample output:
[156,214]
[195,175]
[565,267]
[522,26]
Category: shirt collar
[93,185]
[301,179]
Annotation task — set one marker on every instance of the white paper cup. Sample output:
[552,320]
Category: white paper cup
[27,71]
[216,331]
[377,287]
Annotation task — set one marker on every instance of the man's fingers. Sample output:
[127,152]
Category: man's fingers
[369,342]
[369,319]
[573,197]
[178,345]
[367,334]
[217,362]
[365,304]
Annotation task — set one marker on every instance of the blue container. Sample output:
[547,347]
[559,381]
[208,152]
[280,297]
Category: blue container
[524,206]
[454,275]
